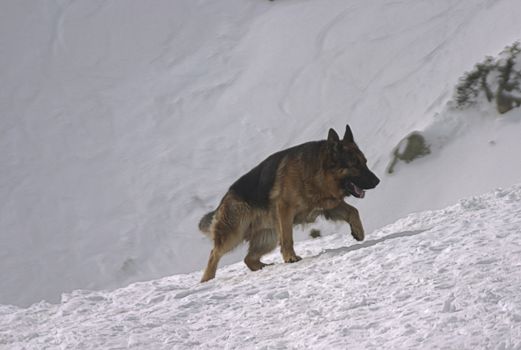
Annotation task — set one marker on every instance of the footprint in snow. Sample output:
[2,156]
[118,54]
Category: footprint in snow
[448,305]
[278,295]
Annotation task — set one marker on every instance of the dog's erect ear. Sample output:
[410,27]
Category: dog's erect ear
[332,136]
[348,136]
[333,147]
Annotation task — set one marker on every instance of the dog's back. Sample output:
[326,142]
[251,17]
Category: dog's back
[255,186]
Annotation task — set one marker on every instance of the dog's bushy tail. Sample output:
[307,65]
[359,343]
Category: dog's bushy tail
[205,222]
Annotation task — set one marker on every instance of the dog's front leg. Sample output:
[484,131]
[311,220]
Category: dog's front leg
[350,215]
[284,223]
[357,229]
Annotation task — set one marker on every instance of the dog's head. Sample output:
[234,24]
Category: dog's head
[349,164]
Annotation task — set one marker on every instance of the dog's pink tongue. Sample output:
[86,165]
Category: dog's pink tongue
[359,191]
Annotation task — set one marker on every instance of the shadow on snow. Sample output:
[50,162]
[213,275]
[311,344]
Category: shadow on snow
[373,242]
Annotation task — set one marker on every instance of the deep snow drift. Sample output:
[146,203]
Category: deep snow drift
[123,122]
[437,279]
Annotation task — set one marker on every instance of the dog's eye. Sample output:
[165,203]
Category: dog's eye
[360,162]
[351,163]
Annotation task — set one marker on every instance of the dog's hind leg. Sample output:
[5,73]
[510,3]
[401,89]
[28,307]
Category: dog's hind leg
[261,242]
[228,233]
[349,214]
[228,240]
[211,268]
[232,239]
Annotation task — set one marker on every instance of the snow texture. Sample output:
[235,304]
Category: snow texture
[123,122]
[437,279]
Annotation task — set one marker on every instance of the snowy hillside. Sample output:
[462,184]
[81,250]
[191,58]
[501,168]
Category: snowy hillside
[122,123]
[437,279]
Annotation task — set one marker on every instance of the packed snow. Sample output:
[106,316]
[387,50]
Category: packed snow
[445,279]
[122,123]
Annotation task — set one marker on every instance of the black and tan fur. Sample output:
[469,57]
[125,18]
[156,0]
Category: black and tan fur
[290,187]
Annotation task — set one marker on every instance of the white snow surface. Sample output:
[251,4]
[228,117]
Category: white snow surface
[123,122]
[444,279]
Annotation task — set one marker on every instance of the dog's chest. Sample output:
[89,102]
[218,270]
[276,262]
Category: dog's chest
[309,213]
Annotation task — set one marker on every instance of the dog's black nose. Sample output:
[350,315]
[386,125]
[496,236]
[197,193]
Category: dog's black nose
[372,180]
[376,181]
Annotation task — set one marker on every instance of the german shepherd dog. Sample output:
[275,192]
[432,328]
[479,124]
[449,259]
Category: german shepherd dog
[290,187]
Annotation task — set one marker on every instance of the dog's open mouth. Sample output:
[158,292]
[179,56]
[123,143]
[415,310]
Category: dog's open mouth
[355,190]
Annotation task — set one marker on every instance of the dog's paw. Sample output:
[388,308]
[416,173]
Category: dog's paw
[255,265]
[292,259]
[358,233]
[263,265]
[206,279]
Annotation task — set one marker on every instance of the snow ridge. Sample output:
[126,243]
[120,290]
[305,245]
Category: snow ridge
[447,278]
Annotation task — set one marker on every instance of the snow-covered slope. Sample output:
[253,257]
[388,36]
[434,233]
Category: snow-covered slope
[437,279]
[121,123]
